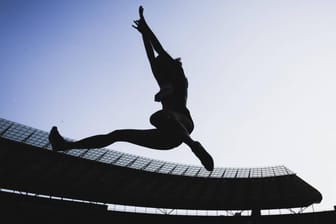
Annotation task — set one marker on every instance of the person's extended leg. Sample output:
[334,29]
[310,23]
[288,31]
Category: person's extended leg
[182,126]
[172,131]
[151,138]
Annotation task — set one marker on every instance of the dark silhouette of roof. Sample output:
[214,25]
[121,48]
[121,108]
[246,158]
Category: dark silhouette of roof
[27,165]
[21,208]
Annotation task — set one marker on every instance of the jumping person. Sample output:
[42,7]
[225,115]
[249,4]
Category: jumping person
[173,124]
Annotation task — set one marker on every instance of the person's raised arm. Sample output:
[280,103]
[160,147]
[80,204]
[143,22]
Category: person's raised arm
[148,46]
[153,39]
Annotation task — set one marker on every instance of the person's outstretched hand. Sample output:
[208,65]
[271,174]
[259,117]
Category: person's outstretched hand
[140,23]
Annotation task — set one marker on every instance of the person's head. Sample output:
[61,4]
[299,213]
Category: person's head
[178,60]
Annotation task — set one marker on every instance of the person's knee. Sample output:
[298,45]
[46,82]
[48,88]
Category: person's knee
[154,120]
[160,118]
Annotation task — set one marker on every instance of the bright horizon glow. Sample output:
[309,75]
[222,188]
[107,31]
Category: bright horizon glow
[261,74]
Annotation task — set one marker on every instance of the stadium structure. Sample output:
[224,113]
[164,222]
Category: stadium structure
[38,184]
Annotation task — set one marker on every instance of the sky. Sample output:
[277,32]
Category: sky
[261,76]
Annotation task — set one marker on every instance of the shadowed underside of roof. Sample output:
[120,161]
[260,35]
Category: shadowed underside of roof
[103,175]
[21,208]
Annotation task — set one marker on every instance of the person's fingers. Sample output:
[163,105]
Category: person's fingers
[141,10]
[137,22]
[137,28]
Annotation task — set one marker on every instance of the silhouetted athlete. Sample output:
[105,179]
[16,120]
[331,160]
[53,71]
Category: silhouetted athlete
[173,123]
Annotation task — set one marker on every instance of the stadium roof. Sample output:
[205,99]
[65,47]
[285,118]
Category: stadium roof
[110,176]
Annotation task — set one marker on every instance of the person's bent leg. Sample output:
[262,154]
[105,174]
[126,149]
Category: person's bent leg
[171,122]
[151,138]
[174,123]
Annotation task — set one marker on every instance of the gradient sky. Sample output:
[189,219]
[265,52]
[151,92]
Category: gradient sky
[261,76]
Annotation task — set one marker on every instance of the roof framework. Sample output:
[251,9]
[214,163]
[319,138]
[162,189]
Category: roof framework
[109,176]
[21,133]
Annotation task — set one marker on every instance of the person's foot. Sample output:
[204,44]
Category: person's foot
[203,156]
[56,140]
